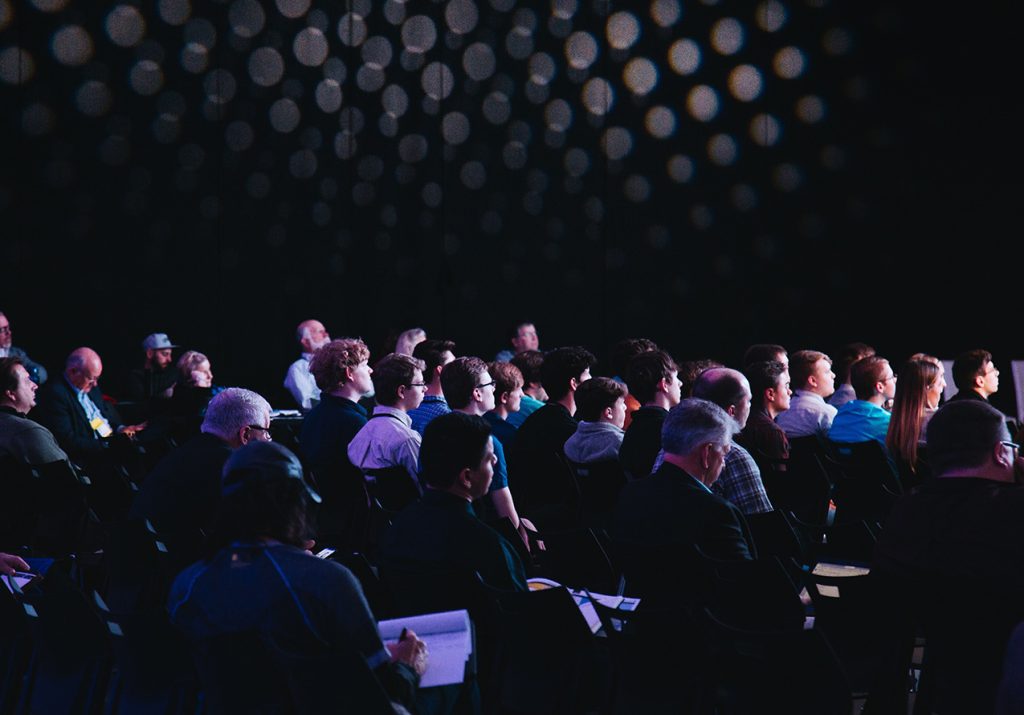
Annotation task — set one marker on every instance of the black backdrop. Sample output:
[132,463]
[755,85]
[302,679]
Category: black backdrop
[709,175]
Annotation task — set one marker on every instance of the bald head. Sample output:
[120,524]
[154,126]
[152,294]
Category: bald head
[312,335]
[83,368]
[728,389]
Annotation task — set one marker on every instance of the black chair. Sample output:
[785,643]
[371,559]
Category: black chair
[804,488]
[577,558]
[774,535]
[546,489]
[15,649]
[393,488]
[599,486]
[869,485]
[343,518]
[757,594]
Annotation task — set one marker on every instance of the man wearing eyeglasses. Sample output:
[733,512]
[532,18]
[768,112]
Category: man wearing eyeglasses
[952,555]
[36,372]
[865,418]
[975,376]
[388,439]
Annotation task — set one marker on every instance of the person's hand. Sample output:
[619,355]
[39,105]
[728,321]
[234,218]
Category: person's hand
[130,430]
[9,563]
[308,545]
[411,651]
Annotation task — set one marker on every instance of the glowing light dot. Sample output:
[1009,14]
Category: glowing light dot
[622,30]
[745,83]
[684,56]
[727,36]
[640,75]
[789,63]
[702,103]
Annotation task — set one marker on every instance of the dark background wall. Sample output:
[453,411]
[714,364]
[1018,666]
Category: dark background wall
[709,175]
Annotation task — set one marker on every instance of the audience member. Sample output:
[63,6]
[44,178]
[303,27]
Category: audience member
[408,340]
[864,419]
[916,400]
[508,396]
[601,407]
[441,532]
[388,439]
[765,352]
[523,338]
[22,439]
[621,354]
[740,481]
[435,354]
[676,505]
[975,376]
[848,355]
[75,412]
[953,549]
[769,386]
[654,379]
[155,380]
[690,370]
[813,382]
[263,580]
[192,394]
[312,335]
[35,371]
[529,363]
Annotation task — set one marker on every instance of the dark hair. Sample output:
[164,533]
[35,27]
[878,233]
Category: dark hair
[529,363]
[968,366]
[562,365]
[506,378]
[8,378]
[690,370]
[762,352]
[646,370]
[459,378]
[961,434]
[391,372]
[451,443]
[763,375]
[865,374]
[625,350]
[847,356]
[724,387]
[801,366]
[595,395]
[329,362]
[430,352]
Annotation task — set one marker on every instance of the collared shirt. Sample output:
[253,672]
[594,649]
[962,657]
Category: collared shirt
[92,412]
[431,407]
[386,440]
[808,414]
[594,442]
[859,421]
[301,383]
[527,406]
[843,394]
[741,483]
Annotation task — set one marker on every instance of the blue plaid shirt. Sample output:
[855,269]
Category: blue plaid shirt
[431,407]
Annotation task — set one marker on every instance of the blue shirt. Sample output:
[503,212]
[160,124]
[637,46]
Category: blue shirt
[859,421]
[527,407]
[431,407]
[501,428]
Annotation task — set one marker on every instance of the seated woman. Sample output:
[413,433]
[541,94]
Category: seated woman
[187,406]
[262,598]
[601,407]
[917,398]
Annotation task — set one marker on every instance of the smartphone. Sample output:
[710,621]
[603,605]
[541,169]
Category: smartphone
[324,553]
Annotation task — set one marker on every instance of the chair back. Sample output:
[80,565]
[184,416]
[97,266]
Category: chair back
[599,485]
[869,485]
[393,488]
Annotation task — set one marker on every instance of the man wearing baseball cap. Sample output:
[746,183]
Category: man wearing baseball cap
[155,379]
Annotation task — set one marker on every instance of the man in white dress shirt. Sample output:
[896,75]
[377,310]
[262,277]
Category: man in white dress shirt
[813,382]
[312,335]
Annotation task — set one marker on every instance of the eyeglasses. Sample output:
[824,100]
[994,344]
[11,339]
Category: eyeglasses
[890,378]
[415,384]
[5,329]
[264,430]
[1012,445]
[492,383]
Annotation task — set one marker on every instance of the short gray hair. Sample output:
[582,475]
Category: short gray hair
[694,422]
[232,409]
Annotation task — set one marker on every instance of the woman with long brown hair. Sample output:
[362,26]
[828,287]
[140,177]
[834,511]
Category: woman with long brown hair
[917,398]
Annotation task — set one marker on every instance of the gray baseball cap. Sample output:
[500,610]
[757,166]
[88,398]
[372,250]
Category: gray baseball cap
[157,341]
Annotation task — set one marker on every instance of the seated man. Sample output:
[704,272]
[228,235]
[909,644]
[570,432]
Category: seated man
[508,396]
[435,354]
[740,481]
[343,375]
[621,355]
[864,419]
[769,385]
[388,439]
[264,581]
[952,551]
[848,355]
[156,378]
[441,532]
[35,371]
[74,410]
[312,335]
[675,505]
[529,363]
[601,407]
[654,379]
[813,382]
[523,338]
[975,376]
[26,441]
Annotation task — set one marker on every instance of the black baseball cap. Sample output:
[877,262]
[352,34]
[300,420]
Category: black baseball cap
[265,462]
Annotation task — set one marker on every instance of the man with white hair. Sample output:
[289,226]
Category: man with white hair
[183,490]
[36,371]
[676,505]
[312,335]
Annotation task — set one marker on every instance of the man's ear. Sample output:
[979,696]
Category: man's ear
[573,384]
[504,398]
[731,411]
[979,380]
[769,394]
[463,479]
